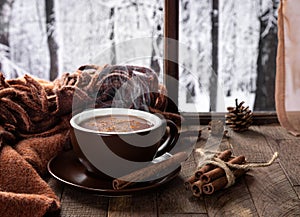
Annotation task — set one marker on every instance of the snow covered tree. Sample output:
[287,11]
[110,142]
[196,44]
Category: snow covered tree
[266,62]
[157,34]
[51,30]
[112,35]
[213,87]
[5,14]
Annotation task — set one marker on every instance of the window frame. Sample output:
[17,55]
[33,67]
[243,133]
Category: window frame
[171,70]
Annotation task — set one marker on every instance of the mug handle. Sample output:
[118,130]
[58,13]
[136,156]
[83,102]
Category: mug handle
[169,139]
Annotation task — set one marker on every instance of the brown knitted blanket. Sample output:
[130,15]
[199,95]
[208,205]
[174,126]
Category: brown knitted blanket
[30,135]
[34,125]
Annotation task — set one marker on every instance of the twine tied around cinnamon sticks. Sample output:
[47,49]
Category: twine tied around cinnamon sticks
[221,172]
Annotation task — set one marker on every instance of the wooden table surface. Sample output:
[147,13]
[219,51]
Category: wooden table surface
[267,192]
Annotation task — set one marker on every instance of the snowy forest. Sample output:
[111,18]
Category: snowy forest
[231,43]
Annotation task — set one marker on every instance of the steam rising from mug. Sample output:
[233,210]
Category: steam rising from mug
[135,87]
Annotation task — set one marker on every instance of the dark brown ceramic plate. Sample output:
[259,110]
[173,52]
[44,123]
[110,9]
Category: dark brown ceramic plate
[66,168]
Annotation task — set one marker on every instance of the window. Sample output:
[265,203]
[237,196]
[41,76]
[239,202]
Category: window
[227,49]
[231,54]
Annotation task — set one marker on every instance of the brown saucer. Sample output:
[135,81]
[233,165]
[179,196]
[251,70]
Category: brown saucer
[66,168]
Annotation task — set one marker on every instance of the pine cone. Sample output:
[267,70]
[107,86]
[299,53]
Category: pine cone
[239,118]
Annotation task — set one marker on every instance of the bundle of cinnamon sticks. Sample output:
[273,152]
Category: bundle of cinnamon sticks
[210,178]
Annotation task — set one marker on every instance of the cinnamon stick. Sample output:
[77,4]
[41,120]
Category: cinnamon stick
[220,183]
[148,172]
[196,176]
[196,188]
[223,156]
[188,183]
[219,172]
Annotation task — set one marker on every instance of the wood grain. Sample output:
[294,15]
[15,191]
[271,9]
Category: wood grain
[297,189]
[289,155]
[274,131]
[77,203]
[188,167]
[272,193]
[174,199]
[252,144]
[233,201]
[133,206]
[184,215]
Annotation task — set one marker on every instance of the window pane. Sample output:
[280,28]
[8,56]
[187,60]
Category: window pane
[241,49]
[195,55]
[231,42]
[83,32]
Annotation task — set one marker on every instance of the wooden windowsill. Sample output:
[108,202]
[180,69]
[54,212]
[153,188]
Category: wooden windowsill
[259,118]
